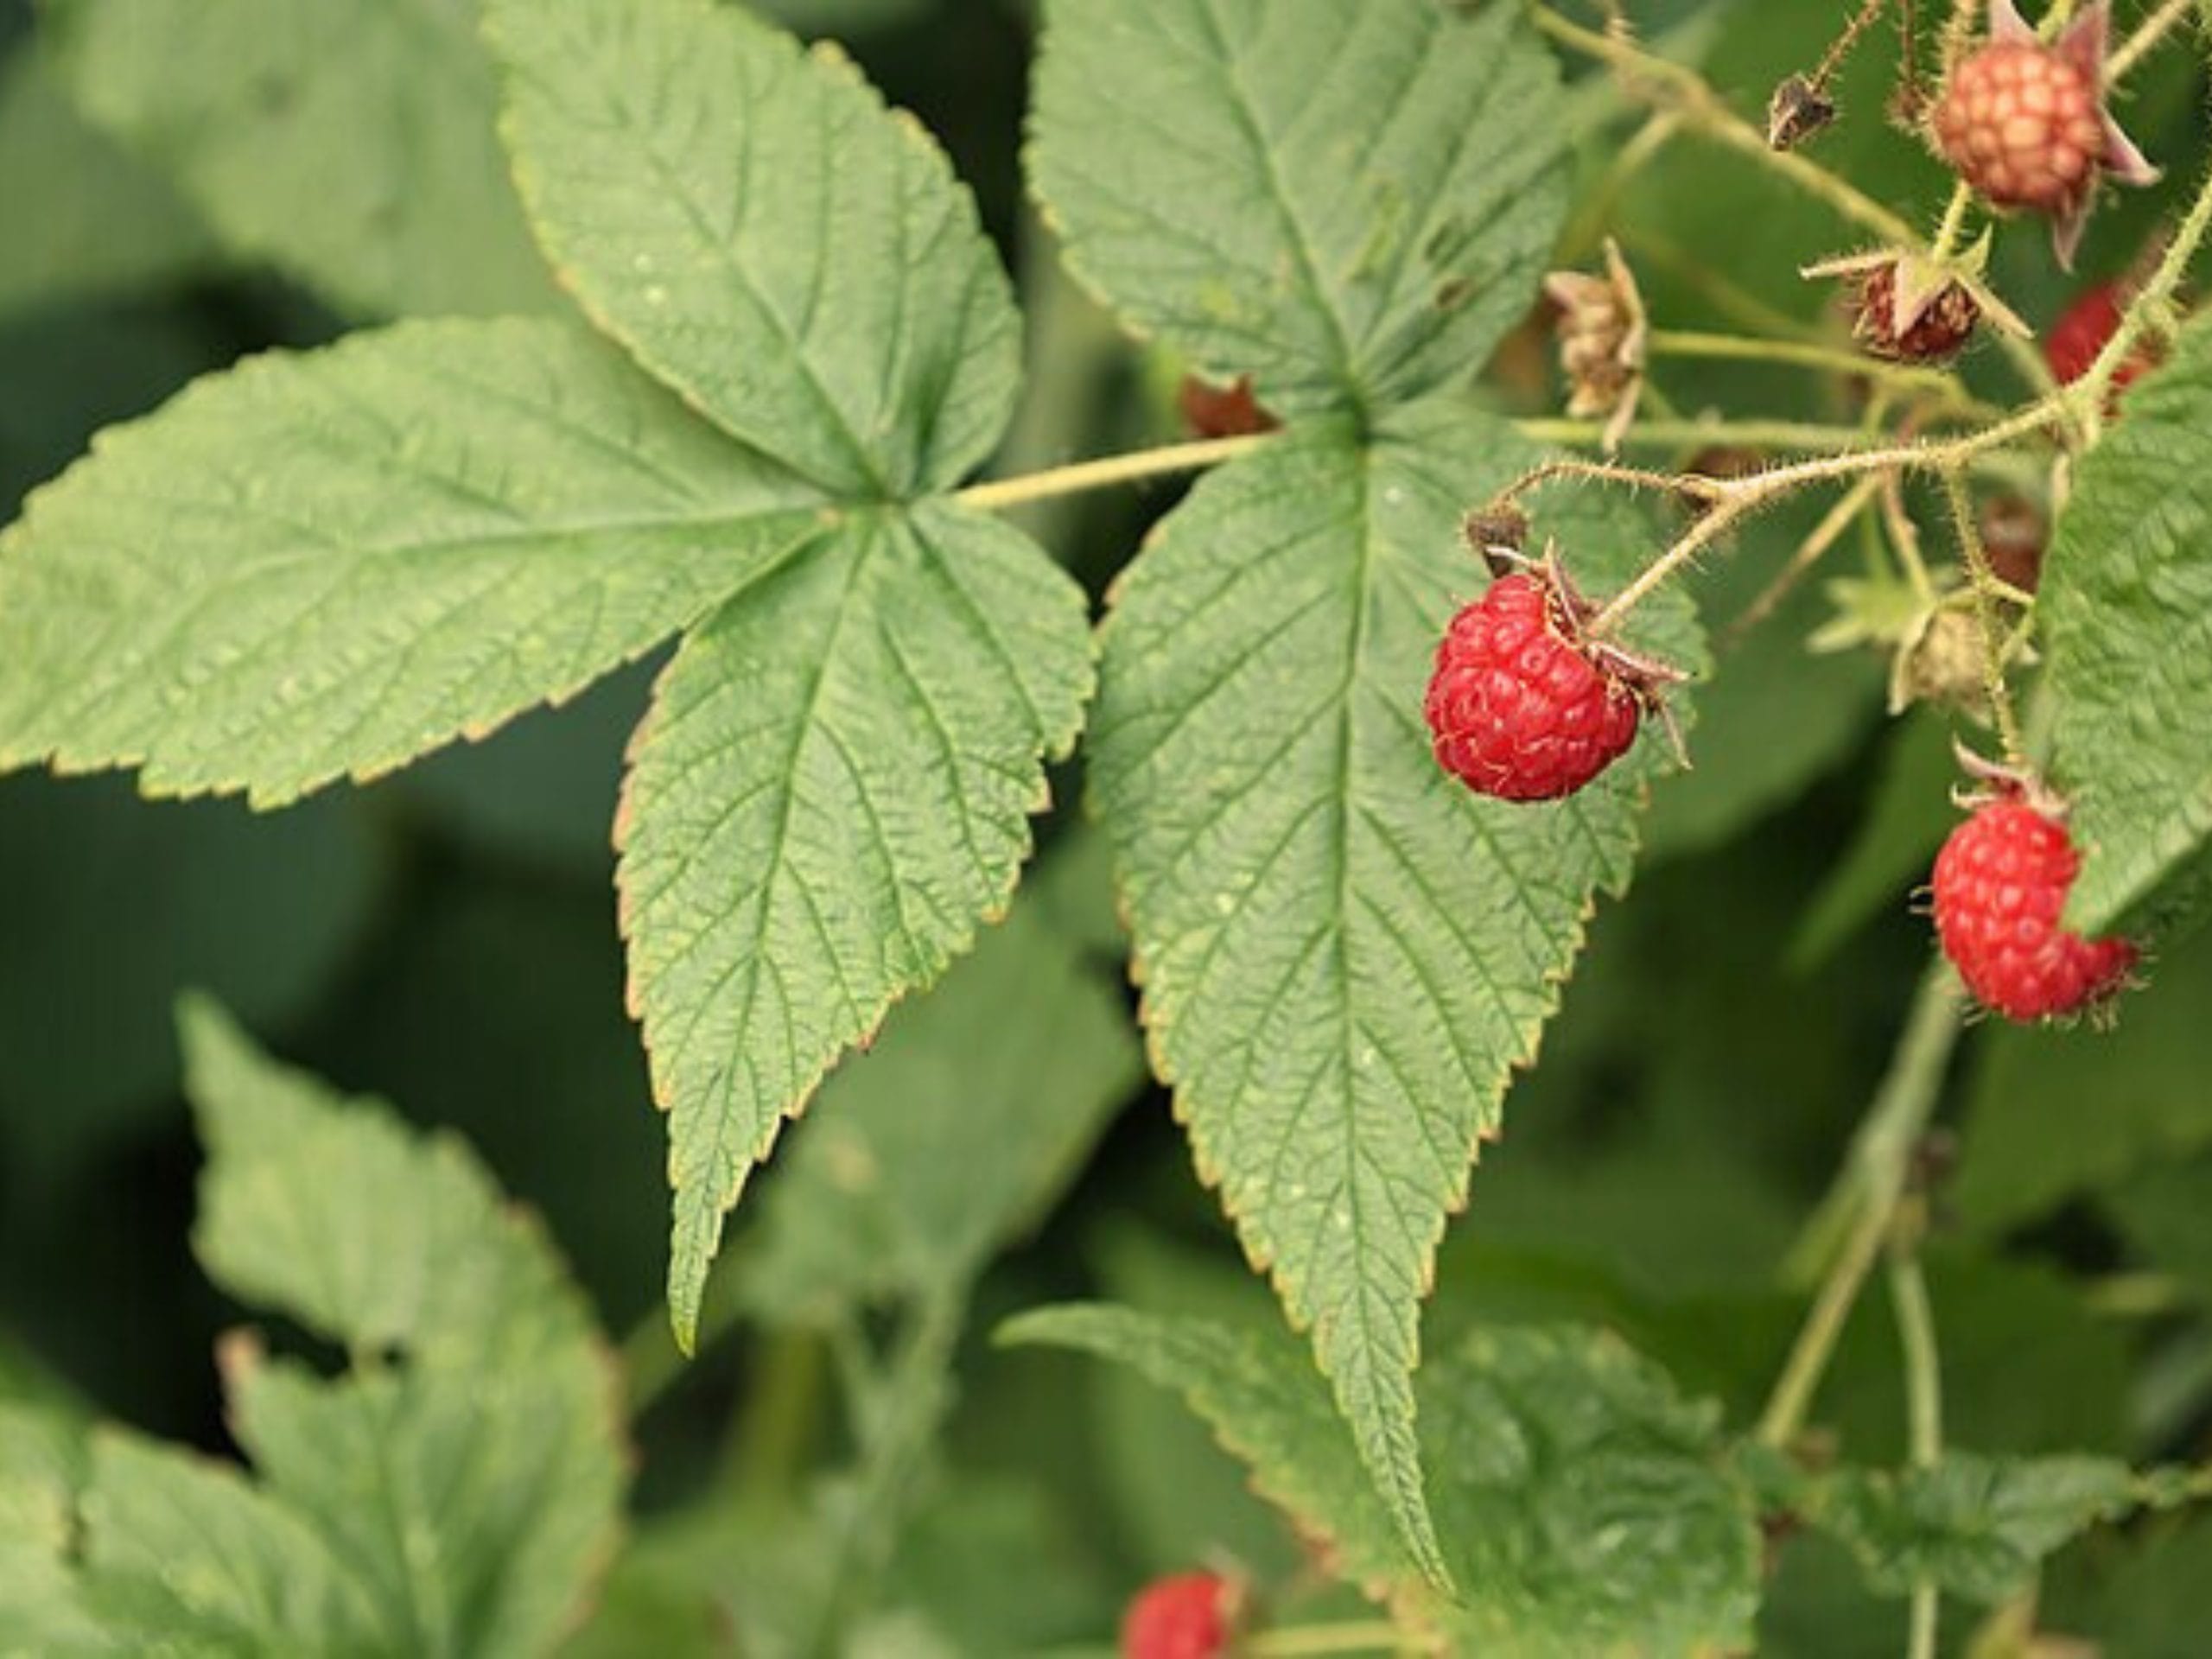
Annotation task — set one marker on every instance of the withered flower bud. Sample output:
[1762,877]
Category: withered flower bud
[1603,333]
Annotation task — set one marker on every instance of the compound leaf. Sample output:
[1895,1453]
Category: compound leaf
[2126,599]
[455,1492]
[1349,199]
[809,274]
[467,1472]
[830,791]
[322,565]
[1581,1504]
[1343,953]
[351,143]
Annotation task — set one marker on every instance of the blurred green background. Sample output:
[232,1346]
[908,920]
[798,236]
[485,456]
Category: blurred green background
[446,938]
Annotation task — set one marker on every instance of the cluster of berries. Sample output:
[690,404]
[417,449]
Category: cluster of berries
[1525,705]
[1529,701]
[2025,124]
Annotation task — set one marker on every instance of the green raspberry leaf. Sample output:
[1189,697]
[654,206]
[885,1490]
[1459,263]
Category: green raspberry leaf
[323,565]
[2127,605]
[456,1490]
[831,789]
[351,143]
[952,1132]
[43,1469]
[1349,199]
[1976,1526]
[1581,1505]
[1344,953]
[751,222]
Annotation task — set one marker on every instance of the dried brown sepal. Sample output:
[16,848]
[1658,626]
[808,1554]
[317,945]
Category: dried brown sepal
[1500,527]
[1941,661]
[1993,780]
[1603,339]
[1796,112]
[1646,676]
[1905,309]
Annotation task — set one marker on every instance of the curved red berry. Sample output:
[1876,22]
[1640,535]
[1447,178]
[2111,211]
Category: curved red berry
[2082,332]
[2001,882]
[1187,1616]
[1517,708]
[2024,124]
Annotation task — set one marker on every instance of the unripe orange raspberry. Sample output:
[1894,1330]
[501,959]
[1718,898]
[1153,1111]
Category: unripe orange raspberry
[2024,121]
[2023,124]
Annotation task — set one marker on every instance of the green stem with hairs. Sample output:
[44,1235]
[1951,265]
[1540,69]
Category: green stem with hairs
[1924,1393]
[1873,1183]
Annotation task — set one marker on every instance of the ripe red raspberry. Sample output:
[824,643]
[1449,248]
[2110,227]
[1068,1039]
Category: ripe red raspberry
[1187,1616]
[2001,882]
[2024,122]
[2082,332]
[1520,706]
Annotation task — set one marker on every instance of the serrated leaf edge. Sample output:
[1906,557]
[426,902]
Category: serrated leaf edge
[684,1310]
[1154,1024]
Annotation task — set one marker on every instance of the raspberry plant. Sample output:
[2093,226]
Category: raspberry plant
[680,343]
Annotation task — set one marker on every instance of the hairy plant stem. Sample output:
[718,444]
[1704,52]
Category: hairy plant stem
[1839,49]
[1108,470]
[2149,307]
[1586,230]
[1698,434]
[1825,534]
[1141,465]
[1923,1396]
[1672,85]
[1672,342]
[1994,642]
[765,1448]
[1736,499]
[896,1411]
[2147,35]
[1867,1194]
[1746,308]
[1954,219]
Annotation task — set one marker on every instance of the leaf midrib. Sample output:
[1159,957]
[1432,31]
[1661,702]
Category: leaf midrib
[1245,111]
